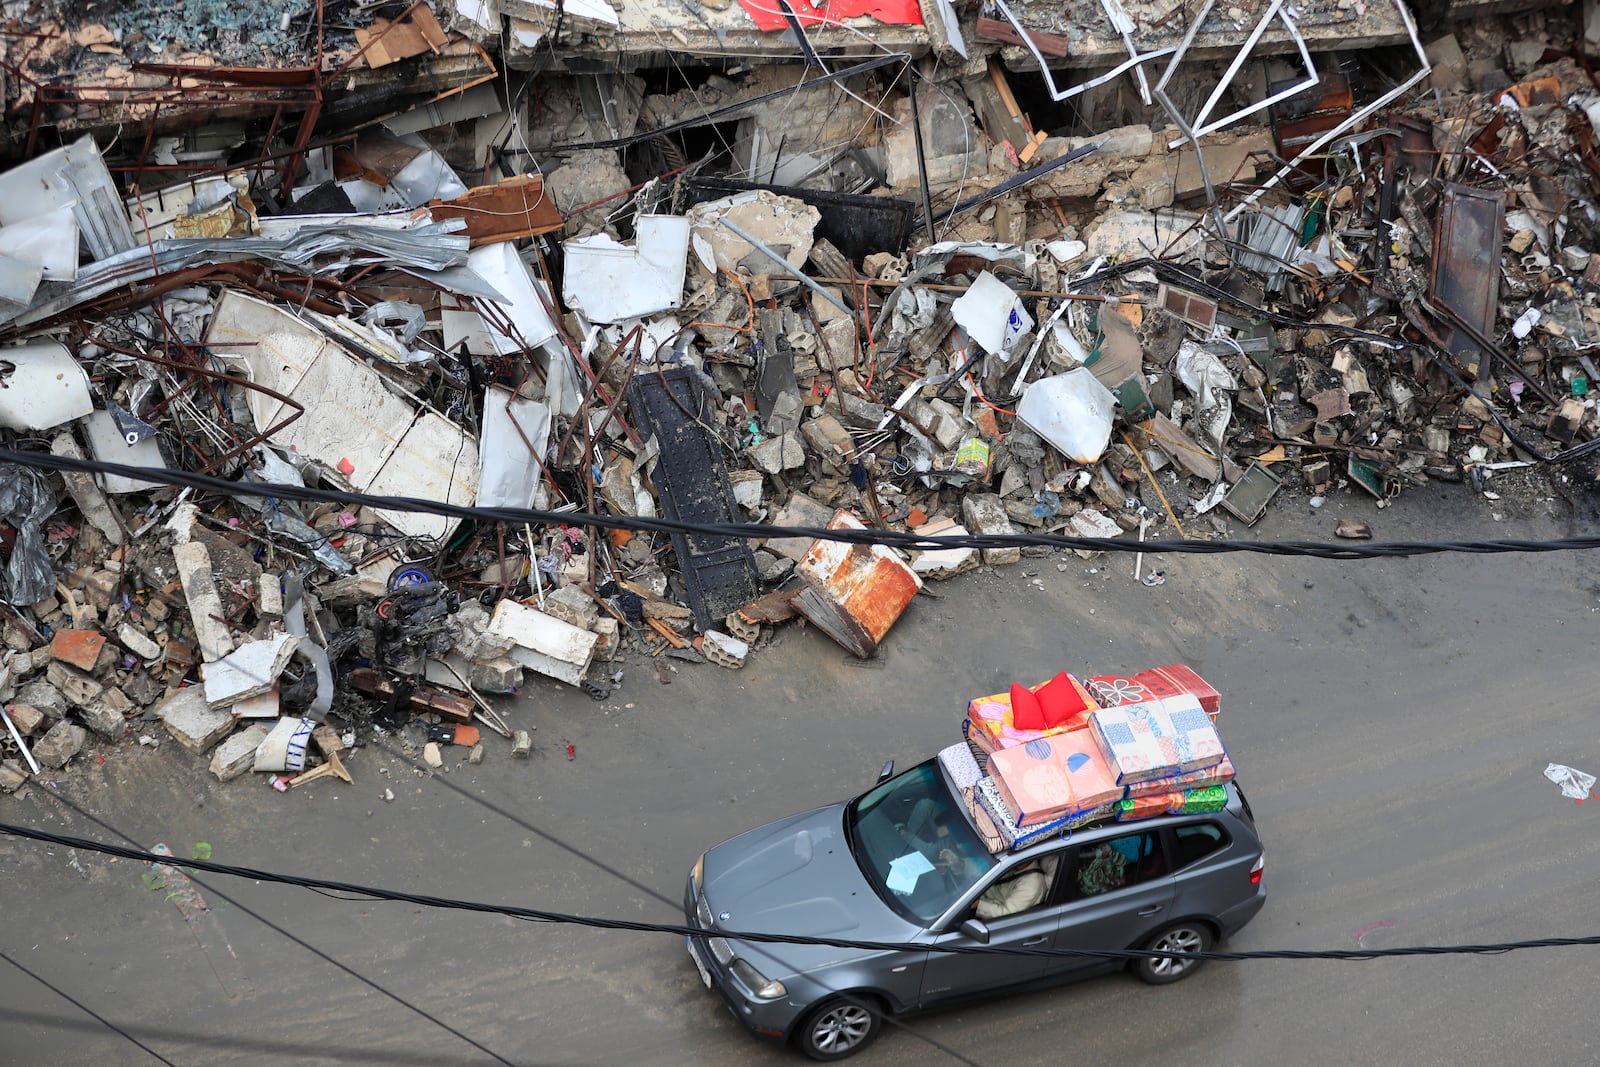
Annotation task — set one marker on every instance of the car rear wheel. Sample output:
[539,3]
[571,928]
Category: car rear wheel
[838,1028]
[1184,937]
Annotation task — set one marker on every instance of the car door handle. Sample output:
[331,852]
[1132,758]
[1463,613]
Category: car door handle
[1151,910]
[1035,941]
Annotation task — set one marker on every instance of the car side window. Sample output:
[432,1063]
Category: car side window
[1019,890]
[1117,864]
[1197,841]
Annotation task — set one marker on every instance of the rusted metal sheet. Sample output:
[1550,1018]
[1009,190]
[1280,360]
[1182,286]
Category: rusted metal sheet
[856,592]
[514,208]
[1301,119]
[1466,264]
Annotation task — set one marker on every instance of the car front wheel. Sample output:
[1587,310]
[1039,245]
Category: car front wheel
[1183,937]
[838,1028]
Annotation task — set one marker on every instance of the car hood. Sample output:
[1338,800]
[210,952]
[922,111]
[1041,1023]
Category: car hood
[797,876]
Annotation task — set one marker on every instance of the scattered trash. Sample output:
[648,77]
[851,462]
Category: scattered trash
[1353,529]
[1574,783]
[860,309]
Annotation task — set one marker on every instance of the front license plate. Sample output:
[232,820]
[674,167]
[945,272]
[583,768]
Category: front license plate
[705,975]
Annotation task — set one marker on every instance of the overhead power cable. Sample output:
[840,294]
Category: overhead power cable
[680,930]
[81,1006]
[752,531]
[235,902]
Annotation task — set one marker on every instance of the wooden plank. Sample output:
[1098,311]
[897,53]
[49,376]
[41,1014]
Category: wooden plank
[999,30]
[1003,87]
[667,632]
[506,211]
[1027,154]
[387,42]
[424,697]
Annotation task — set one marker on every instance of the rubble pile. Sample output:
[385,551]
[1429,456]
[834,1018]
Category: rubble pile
[1093,271]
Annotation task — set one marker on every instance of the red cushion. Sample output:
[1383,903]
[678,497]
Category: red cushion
[1060,699]
[1025,711]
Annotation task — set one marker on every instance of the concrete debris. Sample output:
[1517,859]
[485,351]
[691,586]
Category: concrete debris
[107,714]
[76,687]
[193,563]
[249,671]
[521,744]
[724,650]
[13,776]
[60,744]
[237,755]
[195,724]
[26,717]
[1090,320]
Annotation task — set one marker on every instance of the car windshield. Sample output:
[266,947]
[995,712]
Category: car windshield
[914,845]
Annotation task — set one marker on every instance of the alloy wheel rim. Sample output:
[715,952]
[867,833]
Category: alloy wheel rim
[843,1027]
[1180,940]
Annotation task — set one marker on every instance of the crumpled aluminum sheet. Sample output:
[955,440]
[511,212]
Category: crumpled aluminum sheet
[432,247]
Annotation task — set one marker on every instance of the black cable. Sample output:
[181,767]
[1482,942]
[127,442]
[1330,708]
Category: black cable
[636,926]
[751,531]
[649,891]
[150,857]
[81,1006]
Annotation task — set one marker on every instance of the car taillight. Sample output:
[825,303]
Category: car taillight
[1258,869]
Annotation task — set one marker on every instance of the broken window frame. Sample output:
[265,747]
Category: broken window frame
[1353,122]
[1058,95]
[1313,76]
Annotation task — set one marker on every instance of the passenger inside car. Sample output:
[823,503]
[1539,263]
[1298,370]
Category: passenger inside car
[1102,869]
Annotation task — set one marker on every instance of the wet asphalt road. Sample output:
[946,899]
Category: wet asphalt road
[1390,720]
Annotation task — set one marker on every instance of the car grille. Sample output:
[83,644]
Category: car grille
[721,951]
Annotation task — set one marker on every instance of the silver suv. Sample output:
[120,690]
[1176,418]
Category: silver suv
[904,863]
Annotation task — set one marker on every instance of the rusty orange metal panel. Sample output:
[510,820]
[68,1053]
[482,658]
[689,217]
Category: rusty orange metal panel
[856,592]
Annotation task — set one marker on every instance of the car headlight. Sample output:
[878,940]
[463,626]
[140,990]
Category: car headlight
[698,871]
[763,987]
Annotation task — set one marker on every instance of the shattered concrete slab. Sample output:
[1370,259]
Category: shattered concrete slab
[192,722]
[248,671]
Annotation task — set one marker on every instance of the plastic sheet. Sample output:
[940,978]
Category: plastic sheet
[1574,783]
[25,502]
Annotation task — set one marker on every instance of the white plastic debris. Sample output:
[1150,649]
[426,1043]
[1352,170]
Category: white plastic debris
[1525,323]
[992,315]
[1065,251]
[1574,783]
[1072,411]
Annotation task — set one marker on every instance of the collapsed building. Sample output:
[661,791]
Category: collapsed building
[949,269]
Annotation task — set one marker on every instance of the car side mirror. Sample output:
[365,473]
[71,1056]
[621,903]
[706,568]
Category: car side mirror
[887,772]
[975,929]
